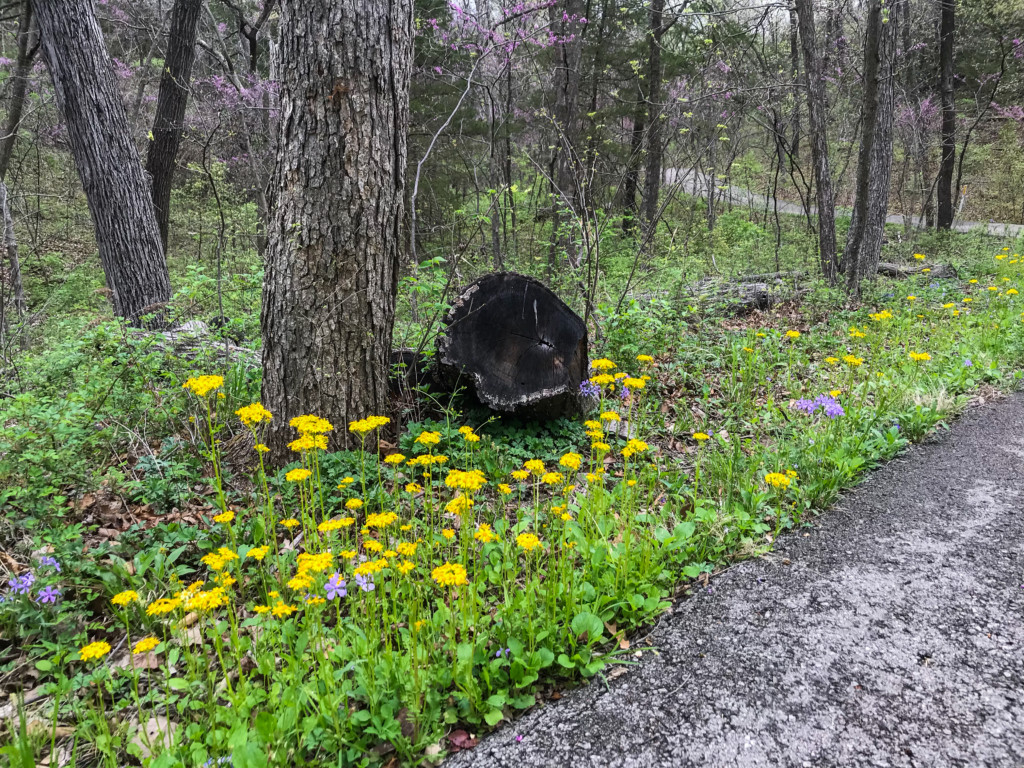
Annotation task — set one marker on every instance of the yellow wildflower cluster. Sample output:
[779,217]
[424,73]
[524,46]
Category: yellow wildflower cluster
[777,480]
[216,561]
[471,480]
[528,542]
[94,651]
[380,519]
[370,423]
[201,386]
[253,415]
[450,575]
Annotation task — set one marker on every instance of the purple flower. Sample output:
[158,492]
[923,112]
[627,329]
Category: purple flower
[502,652]
[365,583]
[967,362]
[50,561]
[624,394]
[335,588]
[805,405]
[519,738]
[23,584]
[49,595]
[589,389]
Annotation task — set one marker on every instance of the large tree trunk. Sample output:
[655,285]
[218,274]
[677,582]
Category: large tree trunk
[170,107]
[115,185]
[944,191]
[817,119]
[27,47]
[336,234]
[794,68]
[655,74]
[874,162]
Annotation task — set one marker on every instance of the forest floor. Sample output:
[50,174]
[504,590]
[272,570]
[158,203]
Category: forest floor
[890,635]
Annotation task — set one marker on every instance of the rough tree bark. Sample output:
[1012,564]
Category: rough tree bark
[944,190]
[655,143]
[817,119]
[336,234]
[170,107]
[27,47]
[794,68]
[115,184]
[631,177]
[874,162]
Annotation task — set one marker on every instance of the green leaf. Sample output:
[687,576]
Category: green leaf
[493,717]
[44,666]
[177,684]
[588,623]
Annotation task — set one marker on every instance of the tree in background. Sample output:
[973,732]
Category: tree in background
[170,107]
[108,164]
[337,230]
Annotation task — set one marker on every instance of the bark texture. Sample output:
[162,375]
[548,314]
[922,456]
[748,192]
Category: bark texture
[874,161]
[115,184]
[336,234]
[27,47]
[944,189]
[817,119]
[170,107]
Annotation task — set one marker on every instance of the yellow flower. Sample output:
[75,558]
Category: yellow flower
[404,567]
[261,448]
[224,517]
[450,575]
[201,386]
[747,349]
[602,364]
[353,504]
[536,466]
[472,480]
[406,548]
[206,601]
[632,383]
[280,609]
[311,425]
[413,488]
[968,300]
[95,651]
[593,477]
[290,523]
[793,334]
[484,534]
[836,392]
[406,527]
[448,533]
[919,256]
[347,554]
[600,447]
[254,414]
[911,298]
[394,458]
[162,606]
[257,553]
[700,437]
[602,380]
[832,360]
[372,545]
[1011,292]
[345,482]
[973,282]
[380,519]
[520,474]
[327,526]
[505,488]
[145,645]
[637,446]
[460,505]
[777,479]
[853,361]
[429,438]
[121,599]
[644,359]
[552,478]
[528,542]
[591,424]
[571,461]
[993,288]
[297,475]
[609,416]
[300,581]
[920,357]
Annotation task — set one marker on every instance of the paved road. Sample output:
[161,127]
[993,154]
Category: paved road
[695,183]
[891,635]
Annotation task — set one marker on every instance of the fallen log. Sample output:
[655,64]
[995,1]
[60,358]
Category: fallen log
[515,345]
[899,271]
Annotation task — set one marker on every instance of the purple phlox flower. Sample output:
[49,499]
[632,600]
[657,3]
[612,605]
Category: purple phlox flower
[589,389]
[335,588]
[624,394]
[805,405]
[50,561]
[502,652]
[967,362]
[23,584]
[519,737]
[830,406]
[49,595]
[365,583]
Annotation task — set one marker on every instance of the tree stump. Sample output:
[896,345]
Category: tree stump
[515,345]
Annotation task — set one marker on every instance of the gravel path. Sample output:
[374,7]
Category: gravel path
[890,635]
[695,183]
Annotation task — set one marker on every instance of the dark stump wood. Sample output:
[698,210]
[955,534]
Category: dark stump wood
[515,345]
